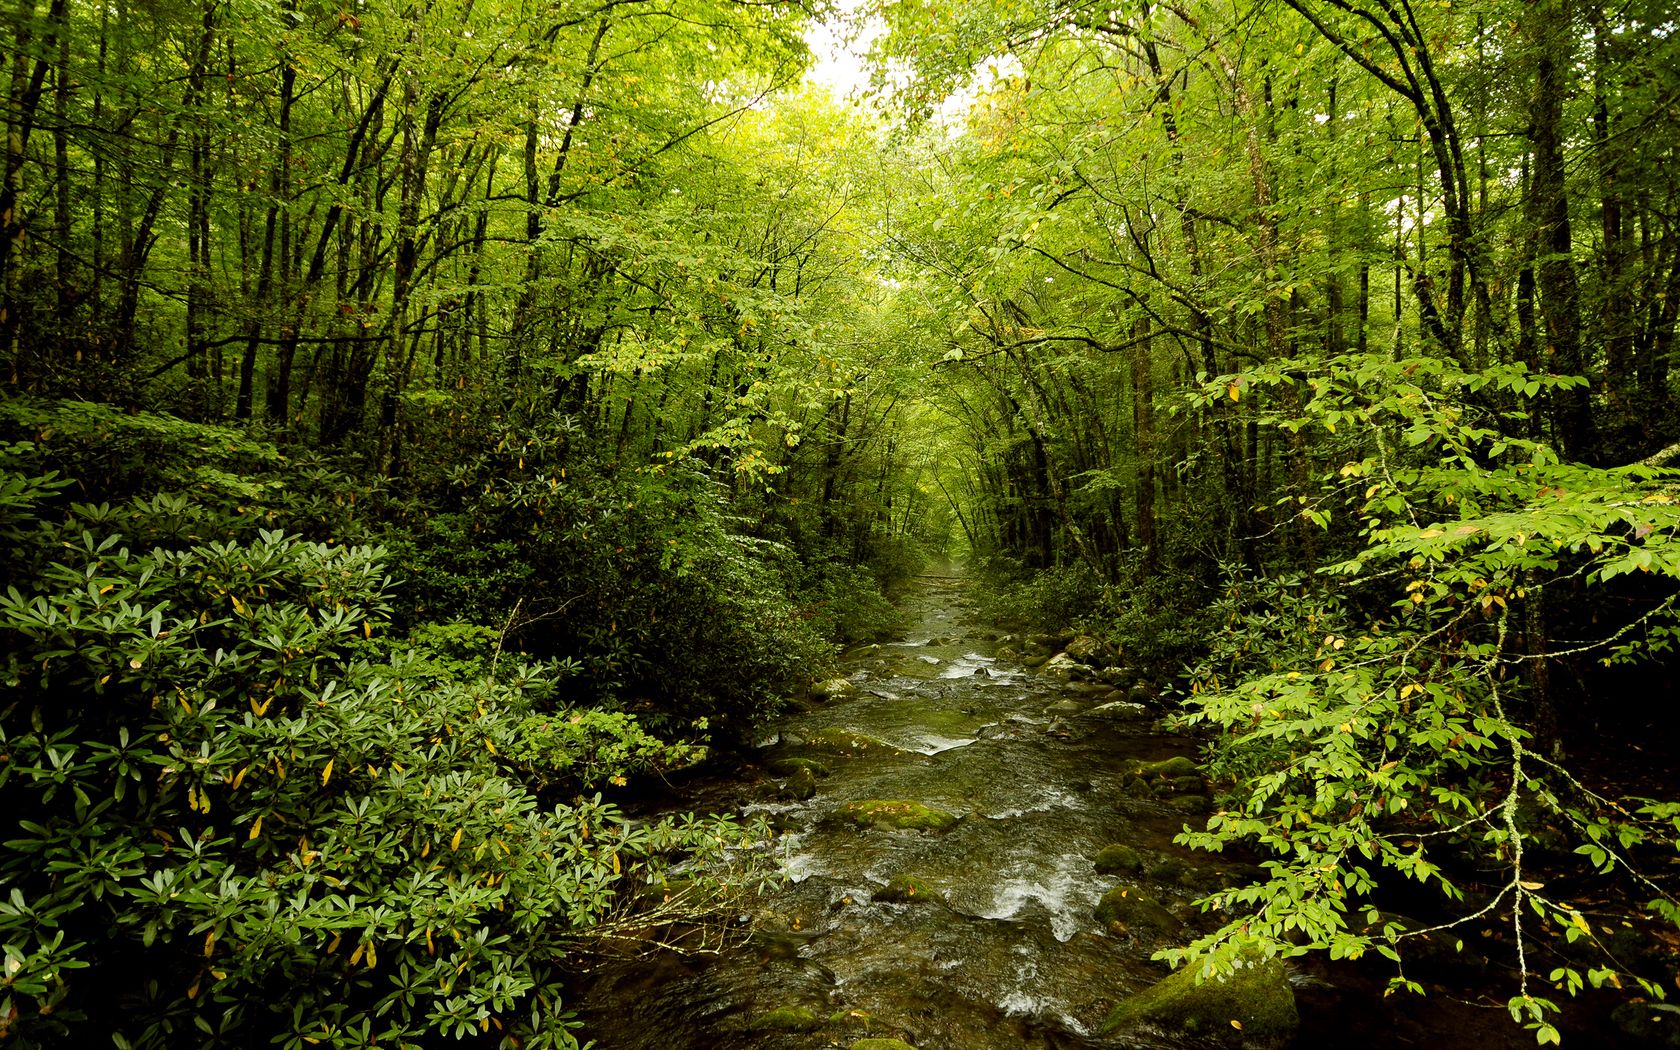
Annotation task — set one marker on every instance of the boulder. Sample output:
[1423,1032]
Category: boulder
[1066,707]
[1172,768]
[830,689]
[787,767]
[1062,666]
[906,889]
[847,744]
[1123,910]
[1088,650]
[1251,1008]
[1118,859]
[897,815]
[802,785]
[788,1019]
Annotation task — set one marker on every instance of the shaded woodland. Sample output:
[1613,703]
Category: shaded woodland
[424,421]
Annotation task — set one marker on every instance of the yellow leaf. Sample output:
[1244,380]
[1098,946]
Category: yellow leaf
[256,828]
[326,774]
[490,745]
[1236,1024]
[455,843]
[1234,391]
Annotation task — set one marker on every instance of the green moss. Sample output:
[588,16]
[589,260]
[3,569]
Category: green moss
[1176,766]
[847,744]
[802,785]
[908,888]
[1124,908]
[1252,1008]
[882,1044]
[787,767]
[1117,859]
[788,1019]
[897,814]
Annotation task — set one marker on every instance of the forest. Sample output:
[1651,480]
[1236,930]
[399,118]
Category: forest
[427,424]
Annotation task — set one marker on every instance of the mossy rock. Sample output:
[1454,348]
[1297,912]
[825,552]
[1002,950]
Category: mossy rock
[788,1019]
[1192,805]
[1648,1024]
[1168,869]
[832,688]
[847,744]
[1252,1008]
[1124,908]
[802,785]
[1174,767]
[1117,859]
[787,767]
[906,889]
[1137,787]
[898,815]
[882,1044]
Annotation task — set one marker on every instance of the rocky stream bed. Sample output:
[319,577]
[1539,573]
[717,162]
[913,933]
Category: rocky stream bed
[979,856]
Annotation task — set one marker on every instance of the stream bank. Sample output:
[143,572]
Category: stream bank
[979,856]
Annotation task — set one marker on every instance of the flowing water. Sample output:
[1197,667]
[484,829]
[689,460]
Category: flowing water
[1010,954]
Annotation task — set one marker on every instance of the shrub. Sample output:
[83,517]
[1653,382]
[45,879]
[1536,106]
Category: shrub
[232,817]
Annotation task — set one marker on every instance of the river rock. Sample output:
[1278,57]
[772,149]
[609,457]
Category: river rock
[1252,1008]
[1088,650]
[802,785]
[788,1019]
[1176,766]
[1119,707]
[1123,909]
[1169,869]
[898,815]
[1065,667]
[906,889]
[787,767]
[845,743]
[830,689]
[1066,707]
[1192,805]
[1118,859]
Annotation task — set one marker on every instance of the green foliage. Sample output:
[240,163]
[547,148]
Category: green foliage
[643,579]
[209,795]
[1384,724]
[1057,599]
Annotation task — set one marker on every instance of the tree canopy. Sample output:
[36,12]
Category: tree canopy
[582,373]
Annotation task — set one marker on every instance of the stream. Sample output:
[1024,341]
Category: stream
[1001,948]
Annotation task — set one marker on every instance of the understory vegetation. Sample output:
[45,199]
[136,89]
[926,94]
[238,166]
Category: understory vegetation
[426,425]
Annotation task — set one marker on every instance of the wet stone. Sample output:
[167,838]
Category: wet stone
[802,785]
[787,767]
[1252,1008]
[1118,859]
[847,744]
[905,889]
[788,1019]
[1125,909]
[897,815]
